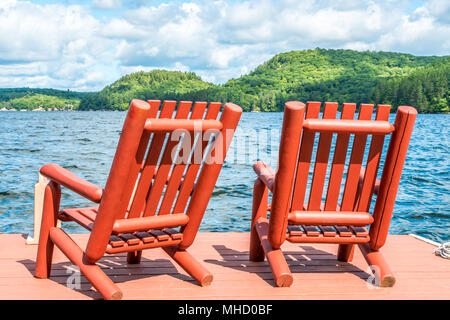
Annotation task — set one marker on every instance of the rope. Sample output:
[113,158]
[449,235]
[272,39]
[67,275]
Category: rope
[443,250]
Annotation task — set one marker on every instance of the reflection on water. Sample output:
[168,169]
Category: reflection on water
[85,142]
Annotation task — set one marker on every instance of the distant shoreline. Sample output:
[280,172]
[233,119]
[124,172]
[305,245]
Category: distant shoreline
[35,110]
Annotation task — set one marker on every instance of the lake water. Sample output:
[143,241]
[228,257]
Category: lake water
[85,142]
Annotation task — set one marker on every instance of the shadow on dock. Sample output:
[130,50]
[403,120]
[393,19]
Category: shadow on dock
[309,260]
[117,269]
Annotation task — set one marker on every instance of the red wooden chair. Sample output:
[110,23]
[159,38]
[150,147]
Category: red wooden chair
[321,218]
[151,190]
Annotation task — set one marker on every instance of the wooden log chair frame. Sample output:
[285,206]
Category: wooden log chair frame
[143,175]
[321,219]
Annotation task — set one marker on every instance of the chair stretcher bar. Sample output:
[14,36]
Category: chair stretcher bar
[167,125]
[348,126]
[151,222]
[341,218]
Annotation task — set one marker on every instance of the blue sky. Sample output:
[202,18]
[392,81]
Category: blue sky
[87,44]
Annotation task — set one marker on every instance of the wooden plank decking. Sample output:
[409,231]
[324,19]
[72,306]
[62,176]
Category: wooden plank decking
[317,274]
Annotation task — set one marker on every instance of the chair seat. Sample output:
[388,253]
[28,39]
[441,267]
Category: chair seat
[124,242]
[327,234]
[135,241]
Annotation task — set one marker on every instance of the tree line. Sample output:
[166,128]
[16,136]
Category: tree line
[307,75]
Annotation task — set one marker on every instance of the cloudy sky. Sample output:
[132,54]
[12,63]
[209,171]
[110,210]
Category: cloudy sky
[86,44]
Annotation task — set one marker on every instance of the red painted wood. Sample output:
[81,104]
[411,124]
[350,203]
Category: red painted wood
[193,168]
[356,158]
[178,170]
[265,173]
[165,165]
[111,232]
[348,126]
[150,222]
[364,194]
[69,180]
[92,272]
[321,163]
[316,274]
[209,173]
[150,164]
[390,179]
[330,218]
[135,168]
[259,210]
[330,222]
[112,199]
[304,159]
[168,125]
[289,145]
[52,197]
[340,154]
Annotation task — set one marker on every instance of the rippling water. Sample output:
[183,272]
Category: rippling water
[84,142]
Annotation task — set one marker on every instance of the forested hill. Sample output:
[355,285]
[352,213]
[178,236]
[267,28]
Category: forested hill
[35,98]
[319,74]
[425,88]
[157,84]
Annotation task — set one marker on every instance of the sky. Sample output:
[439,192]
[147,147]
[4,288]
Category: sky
[86,44]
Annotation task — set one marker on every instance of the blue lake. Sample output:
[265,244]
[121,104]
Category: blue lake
[85,142]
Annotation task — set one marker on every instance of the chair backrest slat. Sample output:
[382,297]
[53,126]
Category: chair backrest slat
[150,164]
[362,201]
[180,164]
[165,165]
[338,166]
[356,159]
[194,166]
[304,159]
[321,163]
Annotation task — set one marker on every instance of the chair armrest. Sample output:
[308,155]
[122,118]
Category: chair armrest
[376,187]
[265,173]
[69,180]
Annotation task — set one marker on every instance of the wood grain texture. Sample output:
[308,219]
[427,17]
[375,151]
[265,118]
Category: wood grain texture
[316,272]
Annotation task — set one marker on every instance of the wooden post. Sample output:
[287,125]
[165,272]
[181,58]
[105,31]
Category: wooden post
[39,190]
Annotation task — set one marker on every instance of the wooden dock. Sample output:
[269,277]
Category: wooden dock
[317,274]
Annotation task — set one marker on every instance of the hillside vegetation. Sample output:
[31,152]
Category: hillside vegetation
[158,84]
[46,99]
[425,88]
[319,74]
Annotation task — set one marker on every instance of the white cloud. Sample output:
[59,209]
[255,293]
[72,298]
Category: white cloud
[71,46]
[107,4]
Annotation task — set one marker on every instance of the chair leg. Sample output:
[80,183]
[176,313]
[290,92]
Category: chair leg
[134,257]
[384,275]
[280,269]
[345,252]
[190,265]
[92,272]
[52,196]
[259,210]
